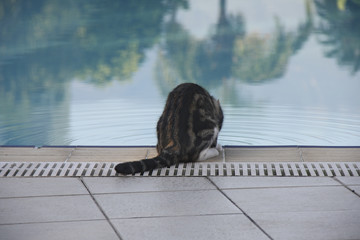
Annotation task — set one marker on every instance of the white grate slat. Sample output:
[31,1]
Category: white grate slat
[327,169]
[13,170]
[335,169]
[180,169]
[5,168]
[302,169]
[352,169]
[253,169]
[172,170]
[277,169]
[212,169]
[269,169]
[344,169]
[294,169]
[81,169]
[310,169]
[261,169]
[286,170]
[24,168]
[237,169]
[47,169]
[245,169]
[319,169]
[98,169]
[188,169]
[89,169]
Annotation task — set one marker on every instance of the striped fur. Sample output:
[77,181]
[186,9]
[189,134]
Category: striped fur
[187,130]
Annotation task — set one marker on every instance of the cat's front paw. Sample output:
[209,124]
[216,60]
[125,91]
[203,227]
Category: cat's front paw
[219,147]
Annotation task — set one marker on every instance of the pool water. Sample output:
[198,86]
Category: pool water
[98,72]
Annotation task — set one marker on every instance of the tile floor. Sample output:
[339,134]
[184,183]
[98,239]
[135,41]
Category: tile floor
[180,208]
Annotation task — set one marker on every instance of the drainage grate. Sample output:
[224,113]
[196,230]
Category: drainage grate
[106,169]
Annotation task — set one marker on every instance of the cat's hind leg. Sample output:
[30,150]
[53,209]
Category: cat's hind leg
[208,153]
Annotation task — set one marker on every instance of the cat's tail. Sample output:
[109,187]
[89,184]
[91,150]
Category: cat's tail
[144,165]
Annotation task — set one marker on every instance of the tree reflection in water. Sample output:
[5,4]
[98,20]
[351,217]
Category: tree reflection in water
[339,31]
[229,53]
[46,44]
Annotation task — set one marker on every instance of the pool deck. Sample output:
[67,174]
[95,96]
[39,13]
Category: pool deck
[204,207]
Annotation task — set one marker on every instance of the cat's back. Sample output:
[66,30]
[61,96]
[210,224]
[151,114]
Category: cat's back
[187,92]
[185,99]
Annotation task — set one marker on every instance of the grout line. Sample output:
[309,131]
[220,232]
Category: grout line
[344,185]
[203,190]
[246,215]
[70,154]
[223,155]
[60,221]
[100,208]
[301,154]
[156,191]
[179,216]
[46,196]
[121,218]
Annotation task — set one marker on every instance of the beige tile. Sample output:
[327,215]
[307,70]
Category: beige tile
[100,158]
[45,151]
[33,158]
[262,154]
[108,151]
[330,154]
[24,154]
[153,153]
[14,150]
[83,154]
[122,154]
[53,151]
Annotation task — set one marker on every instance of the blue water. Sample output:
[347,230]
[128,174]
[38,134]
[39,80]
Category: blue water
[98,72]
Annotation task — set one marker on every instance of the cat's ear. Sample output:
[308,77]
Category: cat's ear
[218,102]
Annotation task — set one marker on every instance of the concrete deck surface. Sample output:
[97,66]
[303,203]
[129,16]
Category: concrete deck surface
[179,207]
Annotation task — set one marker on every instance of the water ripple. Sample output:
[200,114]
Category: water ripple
[115,122]
[129,124]
[269,125]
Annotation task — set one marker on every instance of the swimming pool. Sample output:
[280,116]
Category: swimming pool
[98,72]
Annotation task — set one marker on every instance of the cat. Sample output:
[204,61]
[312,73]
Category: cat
[187,130]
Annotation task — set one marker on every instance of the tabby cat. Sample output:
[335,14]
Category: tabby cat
[187,130]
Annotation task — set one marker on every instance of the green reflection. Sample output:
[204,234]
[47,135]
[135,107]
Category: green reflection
[229,52]
[44,44]
[339,31]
